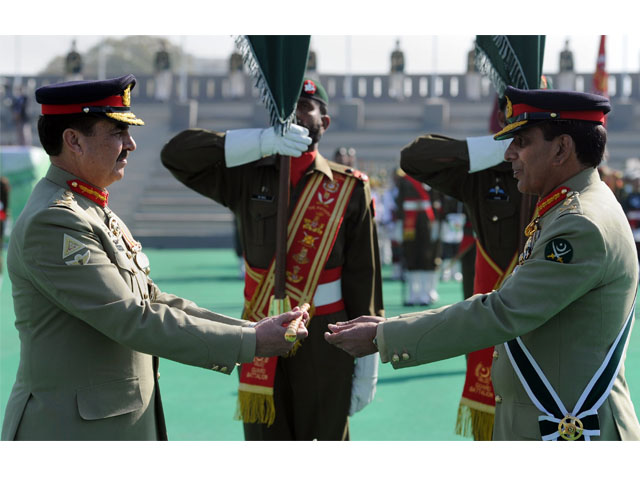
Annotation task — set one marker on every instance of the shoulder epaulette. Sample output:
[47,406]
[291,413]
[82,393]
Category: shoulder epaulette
[571,204]
[349,171]
[63,198]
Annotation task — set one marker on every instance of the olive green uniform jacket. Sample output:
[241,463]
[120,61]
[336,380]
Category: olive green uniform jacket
[319,375]
[91,323]
[567,314]
[497,210]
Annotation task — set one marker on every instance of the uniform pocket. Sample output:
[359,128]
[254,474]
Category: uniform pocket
[109,399]
[263,222]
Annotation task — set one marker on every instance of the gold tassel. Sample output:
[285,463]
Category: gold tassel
[255,408]
[474,423]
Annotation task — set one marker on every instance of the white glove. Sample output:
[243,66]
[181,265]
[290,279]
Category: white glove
[485,152]
[249,144]
[365,378]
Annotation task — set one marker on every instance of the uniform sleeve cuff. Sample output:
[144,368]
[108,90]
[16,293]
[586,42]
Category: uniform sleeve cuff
[247,345]
[379,341]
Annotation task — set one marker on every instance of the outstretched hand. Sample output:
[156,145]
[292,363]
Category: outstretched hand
[270,331]
[355,336]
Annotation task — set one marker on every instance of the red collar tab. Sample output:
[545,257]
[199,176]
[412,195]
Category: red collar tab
[522,109]
[113,101]
[96,195]
[300,164]
[547,203]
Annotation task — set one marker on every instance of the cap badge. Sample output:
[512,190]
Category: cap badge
[126,96]
[509,108]
[309,87]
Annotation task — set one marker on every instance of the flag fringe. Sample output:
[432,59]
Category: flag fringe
[474,423]
[512,65]
[266,97]
[255,408]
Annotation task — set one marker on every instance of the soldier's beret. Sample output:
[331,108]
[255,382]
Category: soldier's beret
[111,98]
[313,89]
[528,107]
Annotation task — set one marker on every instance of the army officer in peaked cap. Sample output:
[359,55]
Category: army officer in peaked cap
[91,321]
[561,322]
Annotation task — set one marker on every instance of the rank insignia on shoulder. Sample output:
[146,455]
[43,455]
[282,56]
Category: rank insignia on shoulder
[70,246]
[558,250]
[80,259]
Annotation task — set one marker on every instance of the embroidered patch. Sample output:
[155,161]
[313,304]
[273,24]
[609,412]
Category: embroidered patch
[558,250]
[80,259]
[70,246]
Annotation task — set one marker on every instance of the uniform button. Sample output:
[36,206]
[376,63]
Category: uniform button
[158,376]
[129,255]
[494,218]
[145,296]
[395,358]
[215,367]
[498,399]
[224,369]
[405,356]
[495,354]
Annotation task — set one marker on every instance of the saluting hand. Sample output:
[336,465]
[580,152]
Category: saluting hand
[270,331]
[355,336]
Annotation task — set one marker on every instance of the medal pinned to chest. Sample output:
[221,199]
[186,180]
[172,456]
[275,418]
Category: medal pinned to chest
[118,234]
[533,233]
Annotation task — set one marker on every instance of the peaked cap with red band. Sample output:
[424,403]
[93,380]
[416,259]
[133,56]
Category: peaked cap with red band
[111,98]
[528,107]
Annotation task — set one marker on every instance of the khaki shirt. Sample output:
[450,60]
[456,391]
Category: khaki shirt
[90,323]
[567,314]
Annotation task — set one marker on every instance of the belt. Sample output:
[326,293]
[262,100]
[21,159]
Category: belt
[328,295]
[415,205]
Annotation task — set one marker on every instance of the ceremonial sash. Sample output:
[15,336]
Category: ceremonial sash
[557,423]
[412,206]
[311,234]
[477,405]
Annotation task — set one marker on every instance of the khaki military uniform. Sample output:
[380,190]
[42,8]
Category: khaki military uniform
[92,324]
[566,313]
[312,389]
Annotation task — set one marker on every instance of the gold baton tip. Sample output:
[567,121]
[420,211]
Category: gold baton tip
[290,334]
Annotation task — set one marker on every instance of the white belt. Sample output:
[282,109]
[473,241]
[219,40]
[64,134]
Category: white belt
[328,293]
[411,205]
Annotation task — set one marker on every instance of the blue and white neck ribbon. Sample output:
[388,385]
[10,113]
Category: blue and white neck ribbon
[558,423]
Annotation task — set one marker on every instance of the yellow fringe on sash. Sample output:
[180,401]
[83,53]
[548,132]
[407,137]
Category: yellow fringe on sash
[474,423]
[255,408]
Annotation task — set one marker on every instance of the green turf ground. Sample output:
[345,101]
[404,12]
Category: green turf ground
[417,403]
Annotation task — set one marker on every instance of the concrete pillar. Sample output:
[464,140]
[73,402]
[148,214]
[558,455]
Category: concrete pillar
[436,114]
[184,114]
[351,114]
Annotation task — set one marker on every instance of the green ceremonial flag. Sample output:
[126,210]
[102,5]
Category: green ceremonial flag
[278,64]
[514,60]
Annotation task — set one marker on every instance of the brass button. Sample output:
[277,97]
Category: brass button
[129,255]
[495,354]
[498,399]
[145,296]
[405,356]
[224,369]
[494,218]
[395,358]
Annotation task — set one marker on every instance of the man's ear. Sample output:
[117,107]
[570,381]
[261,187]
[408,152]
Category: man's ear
[565,147]
[326,121]
[71,139]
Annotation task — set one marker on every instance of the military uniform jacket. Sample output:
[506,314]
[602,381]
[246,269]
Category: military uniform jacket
[91,323]
[567,314]
[196,158]
[490,196]
[423,251]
